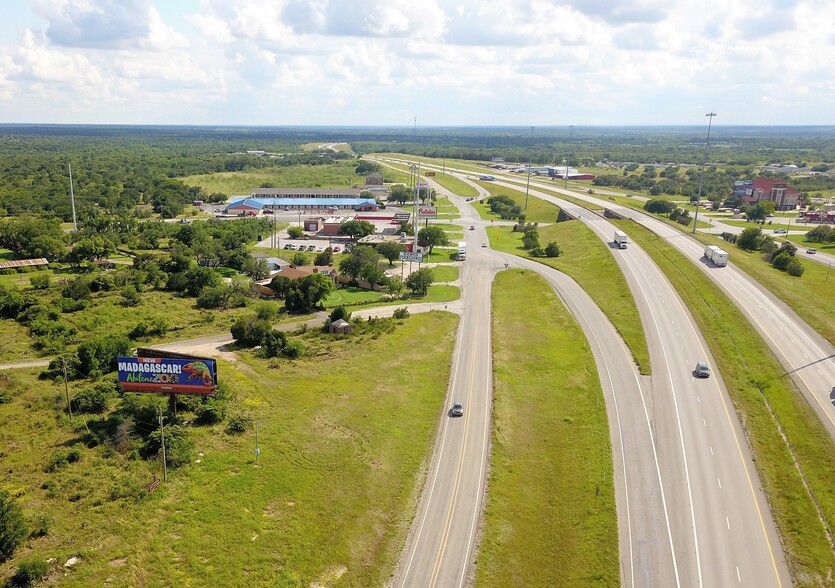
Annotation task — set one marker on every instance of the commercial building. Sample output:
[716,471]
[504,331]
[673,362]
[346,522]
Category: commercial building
[763,189]
[325,205]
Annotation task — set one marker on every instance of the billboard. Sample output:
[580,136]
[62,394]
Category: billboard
[425,212]
[165,375]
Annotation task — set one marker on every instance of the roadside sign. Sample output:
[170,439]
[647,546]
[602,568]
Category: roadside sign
[407,256]
[429,174]
[425,212]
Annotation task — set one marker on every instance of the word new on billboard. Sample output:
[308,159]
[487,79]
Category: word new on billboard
[164,375]
[425,212]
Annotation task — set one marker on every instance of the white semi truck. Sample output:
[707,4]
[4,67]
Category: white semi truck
[716,255]
[620,239]
[462,251]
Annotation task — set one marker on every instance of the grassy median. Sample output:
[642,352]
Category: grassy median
[792,451]
[586,259]
[544,523]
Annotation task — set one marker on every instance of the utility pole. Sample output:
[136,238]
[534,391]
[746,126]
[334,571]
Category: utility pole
[72,199]
[162,437]
[710,116]
[66,385]
[257,449]
[530,162]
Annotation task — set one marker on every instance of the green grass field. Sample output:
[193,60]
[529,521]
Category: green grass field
[764,397]
[588,260]
[351,295]
[454,185]
[336,175]
[544,524]
[538,210]
[332,495]
[445,273]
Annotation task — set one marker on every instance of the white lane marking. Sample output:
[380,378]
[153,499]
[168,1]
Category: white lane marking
[720,483]
[699,398]
[728,521]
[738,577]
[711,449]
[704,422]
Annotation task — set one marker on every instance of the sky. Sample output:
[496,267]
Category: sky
[433,62]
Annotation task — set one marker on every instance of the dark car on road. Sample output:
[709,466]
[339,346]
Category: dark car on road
[702,370]
[457,409]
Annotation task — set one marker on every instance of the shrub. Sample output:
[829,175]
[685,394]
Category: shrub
[267,311]
[30,572]
[70,305]
[339,313]
[41,281]
[12,525]
[272,343]
[178,446]
[401,313]
[60,459]
[239,423]
[552,250]
[537,252]
[93,399]
[795,268]
[293,349]
[130,296]
[250,331]
[212,411]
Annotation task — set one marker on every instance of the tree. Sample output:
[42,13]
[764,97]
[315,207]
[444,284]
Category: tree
[390,250]
[249,331]
[324,257]
[98,355]
[90,249]
[339,313]
[295,232]
[399,194]
[299,258]
[352,264]
[356,229]
[367,167]
[280,285]
[431,236]
[659,206]
[198,278]
[395,286]
[308,293]
[821,234]
[750,239]
[552,250]
[418,282]
[256,268]
[12,525]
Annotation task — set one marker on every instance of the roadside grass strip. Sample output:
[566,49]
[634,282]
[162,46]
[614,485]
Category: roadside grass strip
[345,436]
[538,211]
[445,273]
[793,453]
[811,296]
[544,523]
[588,260]
[454,185]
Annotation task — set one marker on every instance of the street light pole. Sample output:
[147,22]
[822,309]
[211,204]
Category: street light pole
[530,162]
[710,116]
[570,135]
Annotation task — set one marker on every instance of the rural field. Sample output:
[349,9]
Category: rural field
[330,498]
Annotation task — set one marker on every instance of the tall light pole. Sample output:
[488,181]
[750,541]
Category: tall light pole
[415,169]
[570,135]
[530,162]
[710,116]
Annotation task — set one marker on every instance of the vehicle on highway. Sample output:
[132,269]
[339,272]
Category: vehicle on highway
[780,231]
[487,178]
[457,409]
[718,256]
[811,251]
[484,244]
[472,228]
[470,199]
[620,240]
[702,370]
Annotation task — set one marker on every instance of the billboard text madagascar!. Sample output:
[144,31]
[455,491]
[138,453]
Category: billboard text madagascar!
[159,374]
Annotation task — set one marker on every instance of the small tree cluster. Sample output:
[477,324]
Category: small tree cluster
[505,207]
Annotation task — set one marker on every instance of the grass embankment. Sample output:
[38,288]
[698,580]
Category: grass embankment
[811,296]
[746,363]
[538,210]
[333,494]
[544,526]
[586,259]
[445,273]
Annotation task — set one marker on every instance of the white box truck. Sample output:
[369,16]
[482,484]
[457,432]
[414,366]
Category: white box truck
[716,255]
[620,239]
[462,251]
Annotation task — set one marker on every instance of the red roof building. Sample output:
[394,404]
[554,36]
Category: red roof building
[777,191]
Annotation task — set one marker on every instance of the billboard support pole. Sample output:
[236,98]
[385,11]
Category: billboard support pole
[162,437]
[257,449]
[66,385]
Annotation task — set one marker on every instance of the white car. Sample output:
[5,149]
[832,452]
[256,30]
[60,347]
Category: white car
[484,244]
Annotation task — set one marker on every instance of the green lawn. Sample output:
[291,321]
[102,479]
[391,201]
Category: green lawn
[454,185]
[334,491]
[436,293]
[811,296]
[589,261]
[445,273]
[538,211]
[348,295]
[769,407]
[544,524]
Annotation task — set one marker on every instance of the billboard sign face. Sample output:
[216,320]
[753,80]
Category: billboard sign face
[167,376]
[425,212]
[408,256]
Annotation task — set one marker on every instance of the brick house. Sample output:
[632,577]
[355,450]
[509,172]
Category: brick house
[762,189]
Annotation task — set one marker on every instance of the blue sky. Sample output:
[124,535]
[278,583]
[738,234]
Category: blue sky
[384,62]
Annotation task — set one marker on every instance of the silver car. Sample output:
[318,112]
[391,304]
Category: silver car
[457,409]
[702,370]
